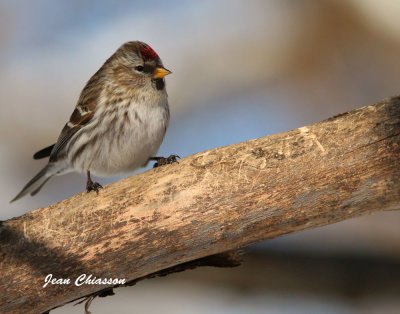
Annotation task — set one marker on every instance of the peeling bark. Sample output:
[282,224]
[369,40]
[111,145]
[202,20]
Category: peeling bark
[211,202]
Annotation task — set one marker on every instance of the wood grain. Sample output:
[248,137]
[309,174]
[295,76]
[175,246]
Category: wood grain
[211,202]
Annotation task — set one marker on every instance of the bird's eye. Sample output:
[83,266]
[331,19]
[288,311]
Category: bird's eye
[139,68]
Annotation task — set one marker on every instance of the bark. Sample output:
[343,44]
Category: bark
[211,202]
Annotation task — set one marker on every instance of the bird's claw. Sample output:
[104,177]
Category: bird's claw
[93,186]
[161,161]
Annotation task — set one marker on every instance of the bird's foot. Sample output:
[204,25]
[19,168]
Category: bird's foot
[161,161]
[93,186]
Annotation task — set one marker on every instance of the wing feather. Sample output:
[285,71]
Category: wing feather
[68,132]
[81,116]
[43,153]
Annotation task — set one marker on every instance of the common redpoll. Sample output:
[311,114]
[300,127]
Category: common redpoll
[118,123]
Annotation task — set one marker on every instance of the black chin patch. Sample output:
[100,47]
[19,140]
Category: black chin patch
[159,83]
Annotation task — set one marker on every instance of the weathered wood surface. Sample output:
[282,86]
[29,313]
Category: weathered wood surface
[211,202]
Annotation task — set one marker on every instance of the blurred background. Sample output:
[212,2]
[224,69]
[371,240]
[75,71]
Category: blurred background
[241,70]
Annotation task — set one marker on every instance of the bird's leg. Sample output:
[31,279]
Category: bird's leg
[161,161]
[92,186]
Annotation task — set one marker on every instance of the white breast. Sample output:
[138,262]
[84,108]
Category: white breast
[126,135]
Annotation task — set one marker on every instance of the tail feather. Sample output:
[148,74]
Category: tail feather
[34,192]
[37,182]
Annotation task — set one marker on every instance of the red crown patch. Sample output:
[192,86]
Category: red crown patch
[148,53]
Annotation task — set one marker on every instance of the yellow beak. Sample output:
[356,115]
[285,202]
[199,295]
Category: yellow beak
[160,72]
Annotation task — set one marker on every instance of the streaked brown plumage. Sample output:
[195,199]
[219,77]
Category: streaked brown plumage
[118,123]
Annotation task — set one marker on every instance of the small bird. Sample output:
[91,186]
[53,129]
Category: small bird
[118,124]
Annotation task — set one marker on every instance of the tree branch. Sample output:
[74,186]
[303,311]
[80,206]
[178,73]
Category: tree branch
[211,202]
